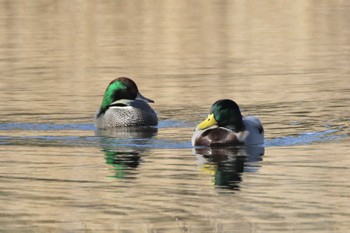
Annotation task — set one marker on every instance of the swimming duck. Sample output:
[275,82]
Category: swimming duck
[225,126]
[123,105]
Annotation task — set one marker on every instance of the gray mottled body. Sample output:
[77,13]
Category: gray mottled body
[127,113]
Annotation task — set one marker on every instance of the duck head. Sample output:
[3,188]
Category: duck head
[120,88]
[223,113]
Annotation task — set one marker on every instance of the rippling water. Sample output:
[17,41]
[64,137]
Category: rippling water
[286,62]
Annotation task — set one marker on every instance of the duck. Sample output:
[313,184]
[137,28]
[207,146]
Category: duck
[123,105]
[225,126]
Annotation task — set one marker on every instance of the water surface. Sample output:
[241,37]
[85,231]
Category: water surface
[286,62]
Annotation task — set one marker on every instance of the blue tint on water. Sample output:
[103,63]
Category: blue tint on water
[45,126]
[174,124]
[140,142]
[83,127]
[306,138]
[127,141]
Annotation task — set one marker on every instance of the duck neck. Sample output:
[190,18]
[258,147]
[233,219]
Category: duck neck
[101,111]
[238,126]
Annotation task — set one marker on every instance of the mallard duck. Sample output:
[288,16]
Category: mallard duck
[225,126]
[123,105]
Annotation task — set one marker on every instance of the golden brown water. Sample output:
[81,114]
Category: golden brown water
[284,61]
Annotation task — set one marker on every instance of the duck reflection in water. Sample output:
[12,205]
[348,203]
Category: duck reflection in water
[226,165]
[115,143]
[230,141]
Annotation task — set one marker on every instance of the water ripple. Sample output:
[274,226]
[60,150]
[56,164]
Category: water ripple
[138,139]
[45,126]
[80,126]
[306,138]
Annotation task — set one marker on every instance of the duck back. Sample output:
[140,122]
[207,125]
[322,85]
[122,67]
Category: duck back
[127,113]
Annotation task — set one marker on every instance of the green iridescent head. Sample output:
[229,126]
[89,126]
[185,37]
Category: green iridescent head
[223,113]
[120,88]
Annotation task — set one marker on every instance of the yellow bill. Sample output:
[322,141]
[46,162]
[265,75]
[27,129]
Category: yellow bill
[210,121]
